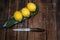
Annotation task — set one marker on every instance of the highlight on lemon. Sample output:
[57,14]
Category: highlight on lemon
[25,12]
[18,16]
[31,6]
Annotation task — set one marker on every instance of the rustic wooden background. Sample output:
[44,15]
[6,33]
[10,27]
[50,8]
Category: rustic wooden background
[58,19]
[46,19]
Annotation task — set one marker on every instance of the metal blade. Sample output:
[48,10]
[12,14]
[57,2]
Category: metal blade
[22,29]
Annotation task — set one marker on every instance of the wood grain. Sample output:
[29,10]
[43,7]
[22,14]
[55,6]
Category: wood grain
[10,35]
[46,19]
[3,18]
[51,27]
[22,35]
[36,22]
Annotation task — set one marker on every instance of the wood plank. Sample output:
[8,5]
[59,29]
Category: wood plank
[22,35]
[36,22]
[3,18]
[51,27]
[44,19]
[2,34]
[58,19]
[10,35]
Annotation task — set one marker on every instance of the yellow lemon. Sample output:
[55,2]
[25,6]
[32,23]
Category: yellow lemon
[25,12]
[31,6]
[18,16]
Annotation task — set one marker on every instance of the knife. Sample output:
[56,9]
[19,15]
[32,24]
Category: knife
[29,29]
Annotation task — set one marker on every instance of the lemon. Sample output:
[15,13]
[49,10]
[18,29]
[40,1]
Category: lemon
[31,6]
[25,12]
[18,16]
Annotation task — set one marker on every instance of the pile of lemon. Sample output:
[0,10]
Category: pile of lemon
[25,12]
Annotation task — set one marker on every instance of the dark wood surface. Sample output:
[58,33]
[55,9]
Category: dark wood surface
[46,19]
[58,19]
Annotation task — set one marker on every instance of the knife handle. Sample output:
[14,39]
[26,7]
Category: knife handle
[37,30]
